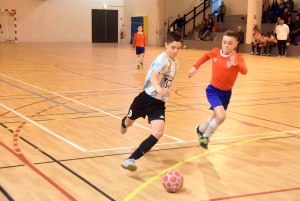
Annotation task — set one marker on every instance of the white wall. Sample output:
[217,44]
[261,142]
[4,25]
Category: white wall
[58,20]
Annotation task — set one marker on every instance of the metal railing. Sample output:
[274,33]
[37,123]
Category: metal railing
[191,16]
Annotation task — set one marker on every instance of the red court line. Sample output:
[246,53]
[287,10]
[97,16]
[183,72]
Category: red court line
[254,194]
[26,162]
[23,107]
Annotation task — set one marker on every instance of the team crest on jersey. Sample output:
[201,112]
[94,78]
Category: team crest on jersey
[228,64]
[215,59]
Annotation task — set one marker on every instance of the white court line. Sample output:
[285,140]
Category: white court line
[43,128]
[212,139]
[75,101]
[191,81]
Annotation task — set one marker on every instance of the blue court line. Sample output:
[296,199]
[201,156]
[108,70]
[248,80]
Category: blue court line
[56,102]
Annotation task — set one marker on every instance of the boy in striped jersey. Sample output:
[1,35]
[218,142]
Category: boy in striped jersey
[151,101]
[226,64]
[140,45]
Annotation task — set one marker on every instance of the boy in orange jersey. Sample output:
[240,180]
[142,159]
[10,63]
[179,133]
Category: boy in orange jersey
[226,64]
[140,44]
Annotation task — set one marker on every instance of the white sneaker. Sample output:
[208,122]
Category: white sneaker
[298,57]
[251,53]
[122,129]
[129,164]
[279,55]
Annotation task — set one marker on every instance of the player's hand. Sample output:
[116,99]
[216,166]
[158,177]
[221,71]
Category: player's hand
[233,58]
[165,92]
[191,72]
[133,48]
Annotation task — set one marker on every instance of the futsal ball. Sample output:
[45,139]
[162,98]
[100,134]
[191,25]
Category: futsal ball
[172,181]
[184,47]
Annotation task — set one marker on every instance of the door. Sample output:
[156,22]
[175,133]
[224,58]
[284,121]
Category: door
[104,26]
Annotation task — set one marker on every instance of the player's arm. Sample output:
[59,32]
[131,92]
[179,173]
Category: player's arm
[145,42]
[134,41]
[155,80]
[241,65]
[201,61]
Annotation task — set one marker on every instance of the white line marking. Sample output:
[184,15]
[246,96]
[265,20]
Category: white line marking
[75,101]
[212,139]
[43,128]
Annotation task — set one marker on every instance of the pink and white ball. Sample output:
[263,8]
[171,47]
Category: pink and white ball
[172,181]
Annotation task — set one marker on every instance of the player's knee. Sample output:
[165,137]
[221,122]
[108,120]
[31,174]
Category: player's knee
[128,122]
[157,134]
[220,118]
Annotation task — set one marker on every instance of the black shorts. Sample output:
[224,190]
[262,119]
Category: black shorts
[144,105]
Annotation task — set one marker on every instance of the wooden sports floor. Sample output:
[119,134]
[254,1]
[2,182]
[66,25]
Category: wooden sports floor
[60,111]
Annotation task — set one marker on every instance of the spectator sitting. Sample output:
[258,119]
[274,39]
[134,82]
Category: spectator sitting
[286,14]
[203,30]
[296,30]
[271,42]
[210,25]
[281,7]
[256,43]
[265,10]
[290,23]
[263,44]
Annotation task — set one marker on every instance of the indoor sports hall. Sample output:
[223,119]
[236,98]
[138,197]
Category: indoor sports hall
[64,93]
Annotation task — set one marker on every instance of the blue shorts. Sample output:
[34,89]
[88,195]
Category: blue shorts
[217,97]
[139,50]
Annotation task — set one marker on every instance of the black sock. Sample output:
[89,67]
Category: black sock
[144,147]
[123,122]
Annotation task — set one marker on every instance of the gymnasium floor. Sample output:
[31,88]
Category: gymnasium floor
[60,111]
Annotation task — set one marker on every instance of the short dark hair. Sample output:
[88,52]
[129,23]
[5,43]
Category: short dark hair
[230,33]
[173,36]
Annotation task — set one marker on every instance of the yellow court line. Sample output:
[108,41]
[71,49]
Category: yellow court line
[145,184]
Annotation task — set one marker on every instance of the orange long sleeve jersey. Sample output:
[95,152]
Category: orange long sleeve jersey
[139,40]
[223,73]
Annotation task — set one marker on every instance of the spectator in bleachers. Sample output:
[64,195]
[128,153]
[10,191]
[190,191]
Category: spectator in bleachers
[290,23]
[282,31]
[179,24]
[271,42]
[290,5]
[263,44]
[281,7]
[273,12]
[296,30]
[265,10]
[210,25]
[256,43]
[240,38]
[286,14]
[221,11]
[203,30]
